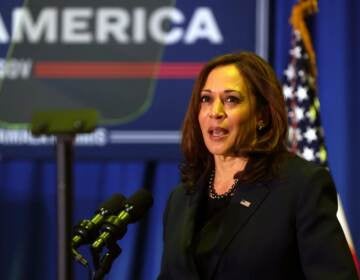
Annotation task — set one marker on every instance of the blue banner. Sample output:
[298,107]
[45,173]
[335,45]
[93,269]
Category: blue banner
[134,62]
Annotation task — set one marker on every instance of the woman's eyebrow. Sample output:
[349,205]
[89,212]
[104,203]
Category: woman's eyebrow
[227,91]
[234,91]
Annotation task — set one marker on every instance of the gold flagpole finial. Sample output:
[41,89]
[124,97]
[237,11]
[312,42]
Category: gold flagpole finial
[299,12]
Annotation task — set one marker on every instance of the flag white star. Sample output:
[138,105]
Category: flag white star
[310,135]
[299,113]
[287,91]
[290,72]
[308,154]
[301,93]
[296,52]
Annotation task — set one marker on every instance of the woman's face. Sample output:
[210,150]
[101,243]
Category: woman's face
[225,106]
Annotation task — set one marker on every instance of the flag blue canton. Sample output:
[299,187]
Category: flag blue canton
[306,136]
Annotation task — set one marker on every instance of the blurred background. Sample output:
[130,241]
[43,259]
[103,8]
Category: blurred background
[135,63]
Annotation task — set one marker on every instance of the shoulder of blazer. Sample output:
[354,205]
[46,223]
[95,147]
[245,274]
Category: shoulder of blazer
[297,170]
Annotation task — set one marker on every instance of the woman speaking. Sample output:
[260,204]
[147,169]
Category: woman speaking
[247,208]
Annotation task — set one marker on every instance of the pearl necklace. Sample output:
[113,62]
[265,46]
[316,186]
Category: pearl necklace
[212,192]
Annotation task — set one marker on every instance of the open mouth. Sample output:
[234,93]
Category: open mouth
[218,132]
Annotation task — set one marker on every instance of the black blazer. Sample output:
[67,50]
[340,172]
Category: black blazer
[289,231]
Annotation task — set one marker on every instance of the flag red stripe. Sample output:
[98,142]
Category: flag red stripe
[356,261]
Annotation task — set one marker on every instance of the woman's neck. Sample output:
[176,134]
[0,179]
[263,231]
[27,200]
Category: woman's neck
[225,169]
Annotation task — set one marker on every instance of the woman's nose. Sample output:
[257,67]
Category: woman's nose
[217,110]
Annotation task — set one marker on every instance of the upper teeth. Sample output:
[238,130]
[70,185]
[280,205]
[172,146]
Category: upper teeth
[218,132]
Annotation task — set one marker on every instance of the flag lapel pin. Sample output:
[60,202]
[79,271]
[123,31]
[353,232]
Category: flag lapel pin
[245,203]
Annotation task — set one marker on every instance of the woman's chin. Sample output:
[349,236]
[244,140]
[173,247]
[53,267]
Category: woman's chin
[218,151]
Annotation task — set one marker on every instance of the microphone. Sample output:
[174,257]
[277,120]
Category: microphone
[115,226]
[87,230]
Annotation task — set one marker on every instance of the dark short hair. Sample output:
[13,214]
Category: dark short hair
[261,81]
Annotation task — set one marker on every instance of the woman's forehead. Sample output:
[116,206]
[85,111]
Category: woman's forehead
[223,78]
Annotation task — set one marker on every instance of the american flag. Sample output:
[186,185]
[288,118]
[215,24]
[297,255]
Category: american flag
[306,136]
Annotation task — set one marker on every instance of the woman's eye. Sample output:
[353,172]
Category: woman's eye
[204,99]
[232,99]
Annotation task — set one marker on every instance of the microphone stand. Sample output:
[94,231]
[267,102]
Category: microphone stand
[64,125]
[64,148]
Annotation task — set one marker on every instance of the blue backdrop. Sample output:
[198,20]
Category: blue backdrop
[28,191]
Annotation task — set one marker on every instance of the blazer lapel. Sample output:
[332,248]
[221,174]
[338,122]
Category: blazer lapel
[188,225]
[189,220]
[243,205]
